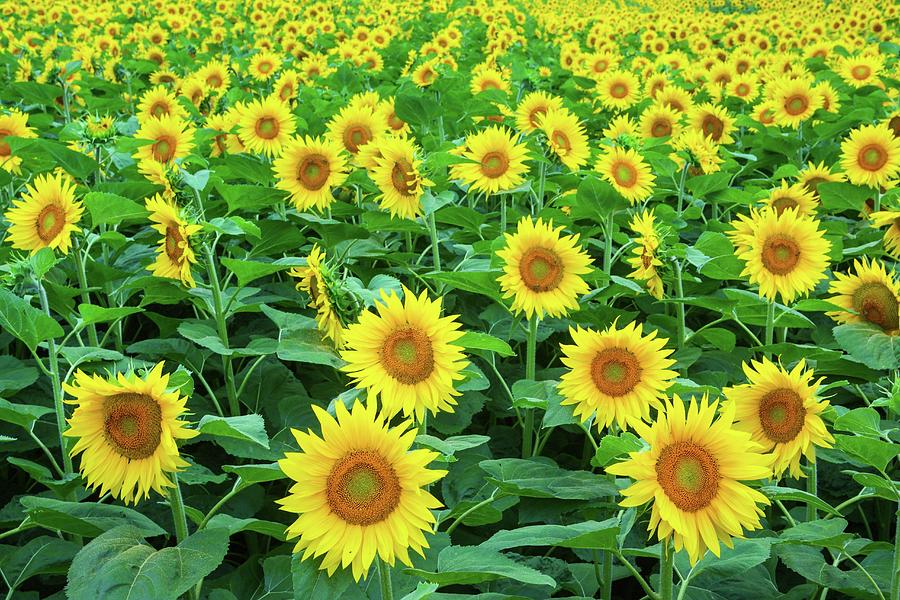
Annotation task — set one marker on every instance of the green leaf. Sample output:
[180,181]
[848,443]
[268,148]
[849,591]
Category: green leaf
[311,582]
[862,421]
[250,198]
[299,339]
[97,314]
[22,415]
[784,493]
[733,562]
[258,473]
[251,270]
[416,108]
[78,165]
[612,447]
[458,565]
[86,518]
[713,255]
[15,375]
[20,319]
[248,428]
[452,445]
[869,345]
[112,209]
[41,556]
[234,525]
[822,532]
[473,340]
[477,282]
[590,535]
[839,196]
[542,478]
[875,453]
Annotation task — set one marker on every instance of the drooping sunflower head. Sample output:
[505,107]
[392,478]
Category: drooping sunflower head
[781,410]
[498,161]
[174,254]
[398,177]
[795,196]
[266,125]
[286,86]
[871,155]
[566,137]
[831,102]
[645,256]
[543,269]
[615,375]
[532,106]
[871,294]
[785,254]
[405,355]
[360,491]
[127,429]
[45,216]
[13,124]
[426,73]
[170,139]
[309,169]
[692,474]
[317,280]
[627,172]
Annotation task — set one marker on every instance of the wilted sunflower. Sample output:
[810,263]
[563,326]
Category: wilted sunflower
[891,218]
[398,177]
[355,126]
[795,196]
[542,270]
[170,139]
[498,161]
[405,355]
[14,124]
[646,253]
[615,375]
[266,125]
[360,491]
[781,409]
[45,216]
[309,169]
[566,137]
[872,293]
[786,254]
[692,474]
[127,429]
[626,170]
[532,106]
[314,281]
[871,155]
[174,254]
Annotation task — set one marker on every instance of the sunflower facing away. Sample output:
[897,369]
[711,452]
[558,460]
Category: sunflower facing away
[786,254]
[359,491]
[498,161]
[871,293]
[313,281]
[14,124]
[397,173]
[127,429]
[566,137]
[309,169]
[781,409]
[266,125]
[692,474]
[646,253]
[405,355]
[174,254]
[616,375]
[170,139]
[45,216]
[627,172]
[542,269]
[871,155]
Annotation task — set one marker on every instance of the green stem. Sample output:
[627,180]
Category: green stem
[234,491]
[384,575]
[502,215]
[178,516]
[895,578]
[230,390]
[679,307]
[812,484]
[530,368]
[485,502]
[770,325]
[435,248]
[608,234]
[85,296]
[542,176]
[55,383]
[666,563]
[637,575]
[684,171]
[606,593]
[46,452]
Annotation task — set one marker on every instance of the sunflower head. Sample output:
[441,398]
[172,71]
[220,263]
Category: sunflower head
[871,155]
[175,254]
[870,295]
[266,125]
[497,161]
[309,169]
[45,216]
[627,172]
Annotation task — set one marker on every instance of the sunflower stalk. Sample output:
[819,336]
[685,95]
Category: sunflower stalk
[607,249]
[176,503]
[85,296]
[435,247]
[384,575]
[666,570]
[530,356]
[812,485]
[216,289]
[770,326]
[895,577]
[679,306]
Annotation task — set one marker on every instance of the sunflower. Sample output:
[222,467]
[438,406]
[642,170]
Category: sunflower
[660,120]
[859,71]
[355,126]
[426,73]
[892,234]
[675,97]
[215,76]
[388,114]
[309,169]
[785,253]
[14,124]
[620,128]
[46,216]
[127,429]
[266,125]
[692,473]
[870,296]
[170,139]
[398,176]
[542,269]
[830,100]
[646,253]
[263,65]
[498,161]
[814,174]
[174,254]
[616,375]
[712,121]
[221,125]
[795,196]
[359,491]
[405,355]
[780,409]
[489,79]
[626,170]
[566,137]
[313,280]
[619,89]
[744,87]
[532,106]
[871,155]
[286,86]
[794,101]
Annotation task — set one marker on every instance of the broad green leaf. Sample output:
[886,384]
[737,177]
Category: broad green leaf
[112,209]
[15,375]
[713,255]
[876,453]
[458,565]
[542,478]
[20,319]
[86,518]
[258,473]
[477,282]
[251,270]
[473,340]
[40,556]
[248,428]
[862,421]
[22,415]
[869,345]
[452,445]
[612,447]
[784,493]
[590,534]
[311,582]
[97,314]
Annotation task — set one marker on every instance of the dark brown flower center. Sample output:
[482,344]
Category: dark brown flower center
[5,150]
[618,90]
[541,269]
[535,115]
[132,424]
[688,474]
[784,202]
[163,150]
[615,371]
[893,124]
[561,140]
[313,172]
[356,136]
[877,304]
[781,415]
[159,109]
[494,164]
[174,243]
[872,157]
[403,177]
[625,174]
[661,128]
[363,488]
[780,254]
[861,72]
[407,355]
[267,128]
[812,184]
[712,126]
[796,104]
[50,222]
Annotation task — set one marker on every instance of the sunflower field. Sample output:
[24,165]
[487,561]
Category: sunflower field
[449,299]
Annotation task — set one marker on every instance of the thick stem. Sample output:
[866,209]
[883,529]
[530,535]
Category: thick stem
[666,563]
[895,578]
[542,177]
[178,516]
[770,325]
[502,215]
[56,384]
[606,593]
[384,575]
[684,171]
[607,249]
[530,368]
[230,389]
[679,307]
[812,484]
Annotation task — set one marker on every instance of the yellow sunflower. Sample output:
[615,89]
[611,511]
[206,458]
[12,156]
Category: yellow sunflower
[660,120]
[786,254]
[646,253]
[543,270]
[566,137]
[266,125]
[355,126]
[388,114]
[309,169]
[871,294]
[14,124]
[489,79]
[426,73]
[532,106]
[174,254]
[892,233]
[170,139]
[405,355]
[859,71]
[781,410]
[794,101]
[814,174]
[45,216]
[871,155]
[712,121]
[620,127]
[619,89]
[128,429]
[498,161]
[398,176]
[263,65]
[626,170]
[313,281]
[360,491]
[692,474]
[676,97]
[795,196]
[615,375]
